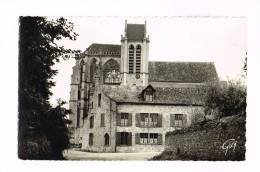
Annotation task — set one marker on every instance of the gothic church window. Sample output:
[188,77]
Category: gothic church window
[92,70]
[138,59]
[111,72]
[112,77]
[131,58]
[82,71]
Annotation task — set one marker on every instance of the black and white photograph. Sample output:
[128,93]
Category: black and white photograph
[133,92]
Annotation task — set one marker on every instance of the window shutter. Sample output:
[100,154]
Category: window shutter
[184,120]
[172,118]
[137,138]
[129,119]
[118,138]
[118,118]
[159,139]
[159,120]
[137,119]
[129,139]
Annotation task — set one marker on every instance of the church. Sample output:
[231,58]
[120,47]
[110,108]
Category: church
[122,102]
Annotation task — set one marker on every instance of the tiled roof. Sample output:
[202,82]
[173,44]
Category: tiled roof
[135,32]
[194,72]
[104,50]
[167,95]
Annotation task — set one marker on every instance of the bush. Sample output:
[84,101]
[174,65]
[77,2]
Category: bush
[226,99]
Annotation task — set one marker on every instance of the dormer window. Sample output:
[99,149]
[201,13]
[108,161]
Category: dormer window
[149,97]
[148,93]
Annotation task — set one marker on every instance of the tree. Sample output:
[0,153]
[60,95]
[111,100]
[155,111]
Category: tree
[245,65]
[55,126]
[38,52]
[226,99]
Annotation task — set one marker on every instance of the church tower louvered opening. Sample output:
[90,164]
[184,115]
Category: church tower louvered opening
[134,55]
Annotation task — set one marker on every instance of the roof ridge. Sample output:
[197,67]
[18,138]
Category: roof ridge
[104,44]
[183,61]
[135,24]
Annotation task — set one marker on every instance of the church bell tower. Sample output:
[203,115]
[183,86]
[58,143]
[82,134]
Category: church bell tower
[134,55]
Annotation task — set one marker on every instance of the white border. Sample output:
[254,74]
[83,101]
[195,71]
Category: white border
[10,10]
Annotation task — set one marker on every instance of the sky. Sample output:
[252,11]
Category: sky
[221,40]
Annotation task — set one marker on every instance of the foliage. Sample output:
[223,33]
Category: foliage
[202,141]
[245,65]
[54,125]
[38,52]
[226,99]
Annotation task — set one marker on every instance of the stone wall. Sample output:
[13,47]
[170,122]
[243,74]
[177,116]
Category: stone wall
[210,140]
[108,108]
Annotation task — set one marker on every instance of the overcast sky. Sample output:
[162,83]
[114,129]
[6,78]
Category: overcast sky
[220,40]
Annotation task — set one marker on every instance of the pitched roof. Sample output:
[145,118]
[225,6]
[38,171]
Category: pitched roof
[135,32]
[194,72]
[166,95]
[104,50]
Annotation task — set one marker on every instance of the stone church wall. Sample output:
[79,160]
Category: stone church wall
[108,108]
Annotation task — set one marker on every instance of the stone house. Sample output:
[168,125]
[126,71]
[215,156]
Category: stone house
[122,102]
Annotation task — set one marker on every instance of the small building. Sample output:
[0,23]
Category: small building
[122,102]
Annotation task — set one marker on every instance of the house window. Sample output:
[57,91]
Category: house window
[153,120]
[138,59]
[99,100]
[131,59]
[124,119]
[124,138]
[149,120]
[178,120]
[148,93]
[106,139]
[143,138]
[91,122]
[149,97]
[148,138]
[145,119]
[90,141]
[153,139]
[102,120]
